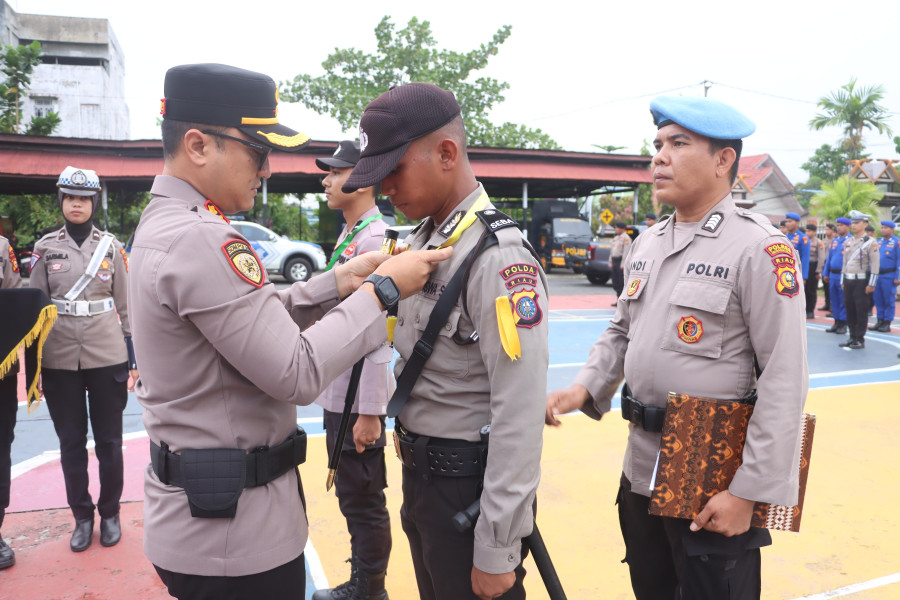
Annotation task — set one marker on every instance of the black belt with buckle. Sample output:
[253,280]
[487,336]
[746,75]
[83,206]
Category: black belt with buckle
[439,457]
[648,418]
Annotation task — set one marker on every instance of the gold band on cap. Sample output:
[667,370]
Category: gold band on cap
[285,141]
[259,121]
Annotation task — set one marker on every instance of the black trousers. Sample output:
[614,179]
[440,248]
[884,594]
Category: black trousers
[8,407]
[618,276]
[360,483]
[859,305]
[442,556]
[70,410]
[811,288]
[284,582]
[668,561]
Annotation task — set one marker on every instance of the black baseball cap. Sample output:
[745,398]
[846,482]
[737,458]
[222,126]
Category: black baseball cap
[391,122]
[619,224]
[214,94]
[346,155]
[650,216]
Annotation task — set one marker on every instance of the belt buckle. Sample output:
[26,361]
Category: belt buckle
[636,414]
[82,308]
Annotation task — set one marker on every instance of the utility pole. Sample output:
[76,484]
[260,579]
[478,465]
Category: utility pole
[706,85]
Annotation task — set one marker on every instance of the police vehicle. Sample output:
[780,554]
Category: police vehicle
[293,259]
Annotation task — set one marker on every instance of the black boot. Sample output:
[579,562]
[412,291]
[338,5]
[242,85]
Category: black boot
[857,344]
[834,327]
[345,591]
[7,556]
[842,327]
[847,343]
[81,537]
[370,586]
[110,531]
[876,326]
[885,327]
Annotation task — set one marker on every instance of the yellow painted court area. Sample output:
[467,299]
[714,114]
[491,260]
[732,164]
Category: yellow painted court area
[849,532]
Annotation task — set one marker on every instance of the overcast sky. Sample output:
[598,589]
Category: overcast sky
[584,72]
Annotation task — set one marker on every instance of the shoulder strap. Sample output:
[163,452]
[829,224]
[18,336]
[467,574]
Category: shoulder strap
[439,315]
[92,267]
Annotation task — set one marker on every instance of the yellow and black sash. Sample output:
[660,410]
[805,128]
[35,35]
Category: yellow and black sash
[28,315]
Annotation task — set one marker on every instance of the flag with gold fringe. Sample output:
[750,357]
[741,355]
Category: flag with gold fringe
[27,316]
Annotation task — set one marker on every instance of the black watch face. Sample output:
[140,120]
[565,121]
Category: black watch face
[389,292]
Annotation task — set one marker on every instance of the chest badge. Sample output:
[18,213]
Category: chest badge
[244,261]
[690,329]
[633,286]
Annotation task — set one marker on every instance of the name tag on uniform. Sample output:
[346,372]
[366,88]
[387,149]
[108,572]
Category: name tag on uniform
[709,271]
[433,288]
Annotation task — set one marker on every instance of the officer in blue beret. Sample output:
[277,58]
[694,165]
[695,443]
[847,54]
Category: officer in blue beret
[706,290]
[834,265]
[888,277]
[800,241]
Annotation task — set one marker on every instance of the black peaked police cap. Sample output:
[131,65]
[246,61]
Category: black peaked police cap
[391,122]
[214,94]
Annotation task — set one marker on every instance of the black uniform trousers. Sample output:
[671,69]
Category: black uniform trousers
[859,305]
[285,582]
[442,556]
[8,406]
[70,410]
[811,288]
[667,560]
[359,486]
[618,276]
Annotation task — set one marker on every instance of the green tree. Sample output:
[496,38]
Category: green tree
[855,110]
[354,78]
[845,194]
[17,64]
[31,215]
[826,164]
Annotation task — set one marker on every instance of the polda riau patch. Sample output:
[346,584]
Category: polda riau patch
[244,261]
[124,258]
[526,311]
[785,271]
[690,329]
[12,260]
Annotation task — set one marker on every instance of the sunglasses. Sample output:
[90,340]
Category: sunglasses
[261,151]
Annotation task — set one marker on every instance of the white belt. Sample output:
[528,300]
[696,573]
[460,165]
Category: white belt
[84,308]
[855,276]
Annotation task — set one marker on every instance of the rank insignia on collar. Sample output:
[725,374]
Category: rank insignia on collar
[447,229]
[690,329]
[633,286]
[244,261]
[211,207]
[526,311]
[713,222]
[12,260]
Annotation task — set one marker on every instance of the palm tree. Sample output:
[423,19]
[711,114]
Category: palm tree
[845,194]
[855,109]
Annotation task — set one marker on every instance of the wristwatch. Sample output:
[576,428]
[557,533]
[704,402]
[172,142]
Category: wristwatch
[387,291]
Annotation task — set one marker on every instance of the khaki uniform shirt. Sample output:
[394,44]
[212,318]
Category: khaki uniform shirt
[690,320]
[9,266]
[861,256]
[81,342]
[818,253]
[376,383]
[619,245]
[464,387]
[223,362]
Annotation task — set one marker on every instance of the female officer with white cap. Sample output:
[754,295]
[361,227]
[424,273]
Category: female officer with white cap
[84,271]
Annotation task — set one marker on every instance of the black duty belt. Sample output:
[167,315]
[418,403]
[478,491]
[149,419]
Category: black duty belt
[835,271]
[439,457]
[645,416]
[886,271]
[261,464]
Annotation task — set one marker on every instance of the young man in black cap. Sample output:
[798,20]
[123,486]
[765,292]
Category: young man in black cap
[650,220]
[488,358]
[225,357]
[361,476]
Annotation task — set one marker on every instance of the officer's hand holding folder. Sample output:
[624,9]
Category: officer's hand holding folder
[700,451]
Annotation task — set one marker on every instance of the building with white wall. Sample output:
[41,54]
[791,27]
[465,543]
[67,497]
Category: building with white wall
[82,77]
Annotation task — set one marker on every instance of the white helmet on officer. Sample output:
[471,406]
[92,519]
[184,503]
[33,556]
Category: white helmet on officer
[79,182]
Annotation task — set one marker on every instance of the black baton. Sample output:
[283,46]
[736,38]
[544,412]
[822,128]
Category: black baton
[335,459]
[465,520]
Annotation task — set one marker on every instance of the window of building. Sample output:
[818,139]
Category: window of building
[43,105]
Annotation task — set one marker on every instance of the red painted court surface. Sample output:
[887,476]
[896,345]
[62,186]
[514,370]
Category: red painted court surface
[847,547]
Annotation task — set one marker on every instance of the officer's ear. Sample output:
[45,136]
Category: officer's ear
[196,147]
[448,150]
[725,158]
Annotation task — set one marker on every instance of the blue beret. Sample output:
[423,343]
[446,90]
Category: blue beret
[890,224]
[843,220]
[792,215]
[705,116]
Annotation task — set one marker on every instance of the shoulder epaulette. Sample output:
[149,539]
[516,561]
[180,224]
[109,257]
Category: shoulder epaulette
[663,218]
[495,220]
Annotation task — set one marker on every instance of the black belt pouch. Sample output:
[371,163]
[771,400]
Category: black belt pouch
[213,480]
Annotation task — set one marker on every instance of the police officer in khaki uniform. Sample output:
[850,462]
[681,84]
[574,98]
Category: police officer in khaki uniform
[707,291]
[620,245]
[858,279]
[84,272]
[816,258]
[361,476]
[9,278]
[224,356]
[489,359]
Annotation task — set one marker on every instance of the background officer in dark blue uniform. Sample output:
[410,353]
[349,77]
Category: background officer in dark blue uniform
[888,277]
[800,241]
[833,266]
